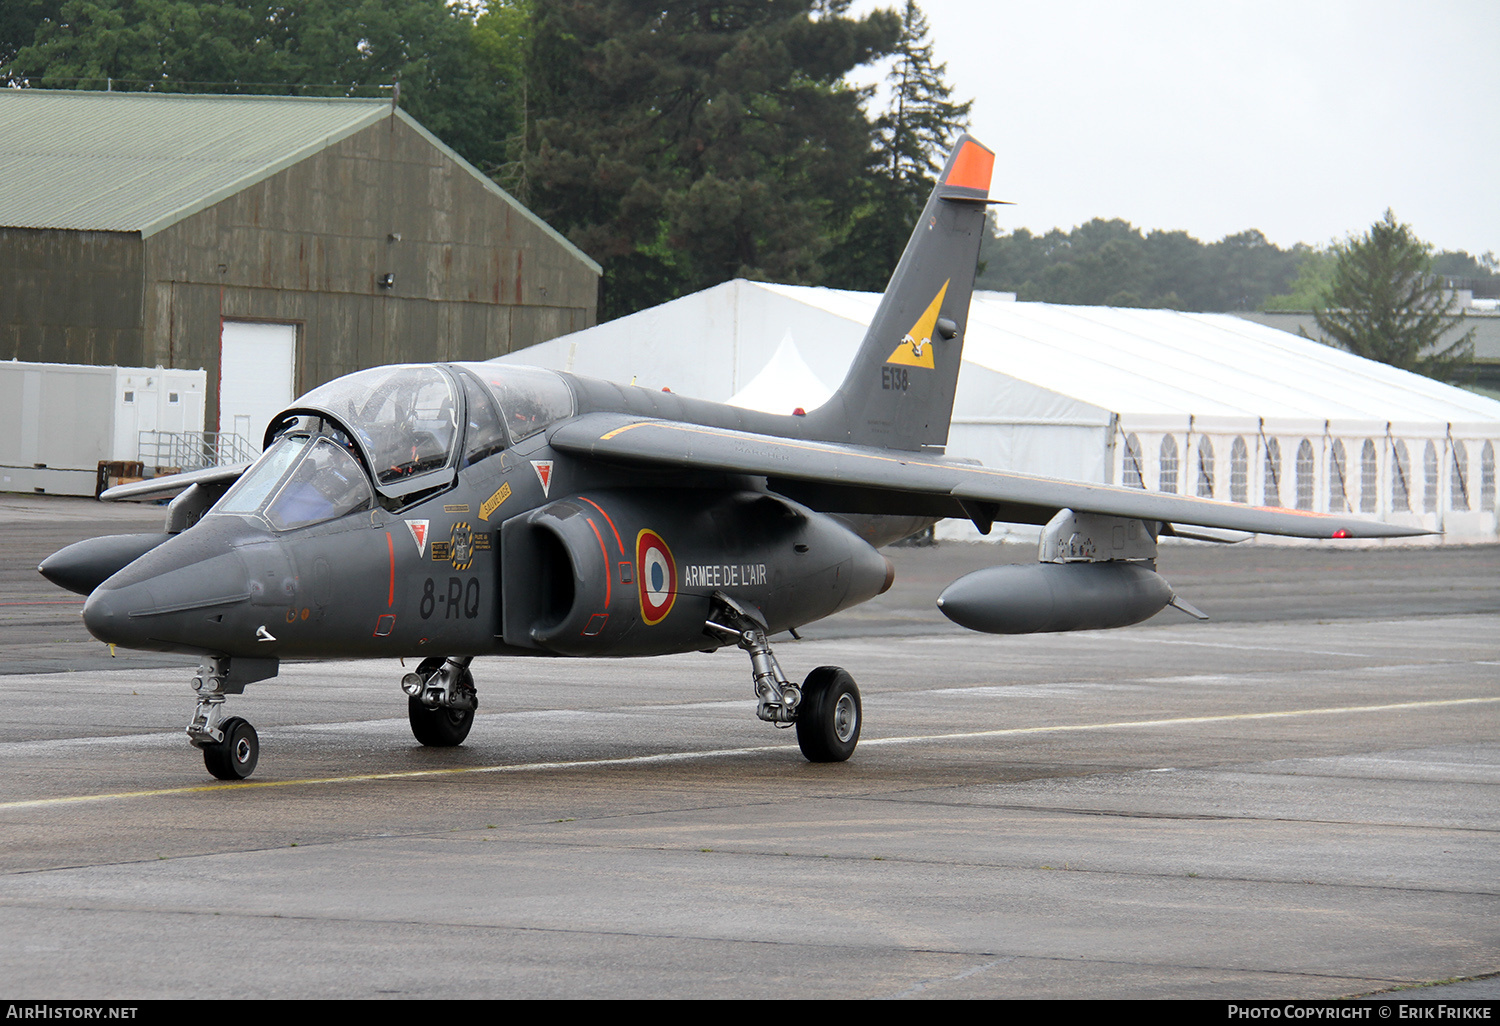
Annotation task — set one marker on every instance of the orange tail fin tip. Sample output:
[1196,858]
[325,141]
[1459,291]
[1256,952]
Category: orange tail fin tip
[972,168]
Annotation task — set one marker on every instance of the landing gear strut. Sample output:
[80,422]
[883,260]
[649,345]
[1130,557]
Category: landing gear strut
[826,709]
[441,701]
[231,748]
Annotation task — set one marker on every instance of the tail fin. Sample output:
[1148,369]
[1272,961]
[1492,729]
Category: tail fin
[899,390]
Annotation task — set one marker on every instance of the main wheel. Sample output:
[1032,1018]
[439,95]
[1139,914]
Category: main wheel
[233,758]
[438,728]
[828,717]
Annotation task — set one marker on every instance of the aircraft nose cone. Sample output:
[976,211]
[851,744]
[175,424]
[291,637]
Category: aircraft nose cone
[84,566]
[106,616]
[178,596]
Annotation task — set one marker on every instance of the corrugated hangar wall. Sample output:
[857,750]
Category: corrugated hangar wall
[472,277]
[471,274]
[70,296]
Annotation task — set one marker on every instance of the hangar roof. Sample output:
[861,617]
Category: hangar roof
[140,162]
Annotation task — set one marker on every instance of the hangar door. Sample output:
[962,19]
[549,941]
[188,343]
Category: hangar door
[256,375]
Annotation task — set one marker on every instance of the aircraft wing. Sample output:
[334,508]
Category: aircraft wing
[161,487]
[836,478]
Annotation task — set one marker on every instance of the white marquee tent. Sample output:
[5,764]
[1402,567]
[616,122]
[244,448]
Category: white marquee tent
[1205,404]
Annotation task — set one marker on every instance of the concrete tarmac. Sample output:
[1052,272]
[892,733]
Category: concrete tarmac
[1298,799]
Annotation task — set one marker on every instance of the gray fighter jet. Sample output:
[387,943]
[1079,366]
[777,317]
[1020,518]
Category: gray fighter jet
[410,511]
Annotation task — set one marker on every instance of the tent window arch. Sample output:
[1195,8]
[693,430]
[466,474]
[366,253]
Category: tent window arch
[1458,483]
[1167,481]
[1431,476]
[1369,478]
[1338,477]
[1239,471]
[1205,468]
[1306,483]
[1487,478]
[1401,467]
[1272,482]
[1132,476]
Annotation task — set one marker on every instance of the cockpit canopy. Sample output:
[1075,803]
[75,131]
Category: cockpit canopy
[405,419]
[390,435]
[531,398]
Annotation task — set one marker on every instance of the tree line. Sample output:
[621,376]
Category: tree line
[682,143]
[678,142]
[1113,263]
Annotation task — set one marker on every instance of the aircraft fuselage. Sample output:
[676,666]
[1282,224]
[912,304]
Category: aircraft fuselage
[527,553]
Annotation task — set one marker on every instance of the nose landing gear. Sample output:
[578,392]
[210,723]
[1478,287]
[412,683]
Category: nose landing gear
[231,748]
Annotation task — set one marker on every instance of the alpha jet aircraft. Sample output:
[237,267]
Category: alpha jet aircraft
[409,511]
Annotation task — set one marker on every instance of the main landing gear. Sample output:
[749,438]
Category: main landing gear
[441,700]
[826,709]
[231,748]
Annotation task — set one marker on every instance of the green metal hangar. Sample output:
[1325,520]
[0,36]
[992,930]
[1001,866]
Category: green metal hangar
[274,242]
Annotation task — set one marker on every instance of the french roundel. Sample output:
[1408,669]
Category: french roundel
[656,577]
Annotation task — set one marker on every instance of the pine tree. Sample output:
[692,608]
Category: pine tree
[913,136]
[921,124]
[1385,304]
[682,143]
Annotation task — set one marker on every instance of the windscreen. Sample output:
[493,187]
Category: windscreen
[328,483]
[306,480]
[250,492]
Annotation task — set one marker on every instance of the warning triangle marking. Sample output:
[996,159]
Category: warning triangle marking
[418,529]
[543,470]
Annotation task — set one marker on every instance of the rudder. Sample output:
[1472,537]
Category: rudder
[898,393]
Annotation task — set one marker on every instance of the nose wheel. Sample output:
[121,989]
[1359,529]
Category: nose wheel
[438,728]
[233,758]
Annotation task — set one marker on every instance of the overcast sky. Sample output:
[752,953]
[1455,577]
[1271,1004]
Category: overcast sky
[1303,119]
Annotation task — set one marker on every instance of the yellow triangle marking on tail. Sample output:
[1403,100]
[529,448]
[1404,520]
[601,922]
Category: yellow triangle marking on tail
[915,350]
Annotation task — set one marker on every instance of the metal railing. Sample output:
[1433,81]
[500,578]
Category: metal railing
[195,450]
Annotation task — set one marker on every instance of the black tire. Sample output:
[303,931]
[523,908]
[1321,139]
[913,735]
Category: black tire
[235,757]
[438,728]
[829,716]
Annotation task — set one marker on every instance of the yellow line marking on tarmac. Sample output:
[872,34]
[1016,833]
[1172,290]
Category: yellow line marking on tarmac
[669,757]
[392,775]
